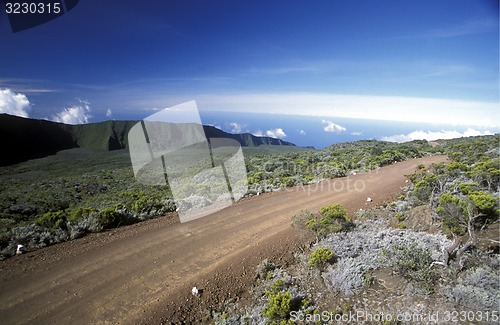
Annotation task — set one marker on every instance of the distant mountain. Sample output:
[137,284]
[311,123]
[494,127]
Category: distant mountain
[23,138]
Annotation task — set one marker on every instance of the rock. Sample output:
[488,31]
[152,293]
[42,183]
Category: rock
[20,249]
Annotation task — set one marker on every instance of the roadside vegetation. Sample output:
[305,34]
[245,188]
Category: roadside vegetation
[77,191]
[433,251]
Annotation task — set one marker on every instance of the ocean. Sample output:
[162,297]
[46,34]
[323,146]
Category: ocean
[321,132]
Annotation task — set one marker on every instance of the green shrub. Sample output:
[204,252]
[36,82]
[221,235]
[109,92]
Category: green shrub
[52,220]
[320,257]
[414,262]
[334,211]
[452,211]
[109,218]
[483,202]
[278,306]
[278,285]
[80,213]
[466,188]
[399,216]
[332,218]
[423,191]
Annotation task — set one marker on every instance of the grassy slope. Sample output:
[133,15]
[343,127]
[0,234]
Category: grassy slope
[25,139]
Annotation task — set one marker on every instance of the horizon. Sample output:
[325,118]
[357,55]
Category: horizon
[425,63]
[434,132]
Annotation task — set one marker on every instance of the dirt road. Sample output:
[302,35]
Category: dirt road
[144,273]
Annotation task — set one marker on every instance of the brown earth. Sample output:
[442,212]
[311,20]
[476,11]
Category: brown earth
[144,273]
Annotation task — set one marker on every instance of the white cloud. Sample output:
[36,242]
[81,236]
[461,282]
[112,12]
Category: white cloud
[236,127]
[302,132]
[357,133]
[76,114]
[276,133]
[109,113]
[431,135]
[389,108]
[215,126]
[14,103]
[258,133]
[332,127]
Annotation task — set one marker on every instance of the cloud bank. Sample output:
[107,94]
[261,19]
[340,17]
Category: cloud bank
[389,108]
[76,114]
[276,133]
[236,127]
[431,135]
[14,103]
[332,127]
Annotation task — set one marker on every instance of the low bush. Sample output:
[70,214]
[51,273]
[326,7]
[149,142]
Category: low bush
[278,307]
[348,275]
[264,269]
[52,220]
[320,257]
[331,219]
[477,288]
[334,211]
[415,263]
[81,213]
[109,218]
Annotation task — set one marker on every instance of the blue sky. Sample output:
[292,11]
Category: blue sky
[419,61]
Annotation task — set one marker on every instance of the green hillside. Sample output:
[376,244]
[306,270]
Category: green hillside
[24,139]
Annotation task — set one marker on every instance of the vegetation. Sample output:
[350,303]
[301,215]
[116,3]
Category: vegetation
[320,257]
[45,196]
[413,262]
[101,193]
[270,172]
[331,218]
[447,262]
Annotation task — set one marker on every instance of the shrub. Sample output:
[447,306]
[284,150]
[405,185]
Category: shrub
[423,191]
[109,218]
[278,306]
[348,275]
[477,288]
[466,188]
[399,217]
[320,257]
[332,218]
[302,218]
[79,227]
[483,202]
[264,268]
[452,211]
[278,285]
[52,220]
[334,211]
[81,213]
[414,262]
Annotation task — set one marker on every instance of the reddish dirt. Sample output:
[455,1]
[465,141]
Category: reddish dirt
[144,273]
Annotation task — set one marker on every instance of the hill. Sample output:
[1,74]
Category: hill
[24,139]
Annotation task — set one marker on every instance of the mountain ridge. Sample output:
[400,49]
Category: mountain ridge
[26,138]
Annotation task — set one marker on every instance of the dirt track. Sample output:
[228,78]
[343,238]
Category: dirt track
[144,273]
